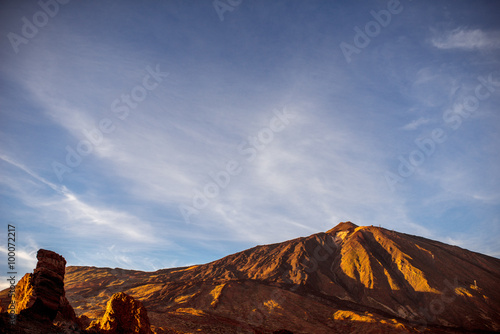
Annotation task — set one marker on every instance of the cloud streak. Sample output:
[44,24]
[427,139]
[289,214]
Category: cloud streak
[67,205]
[413,125]
[467,39]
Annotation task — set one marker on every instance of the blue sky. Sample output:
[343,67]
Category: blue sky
[167,133]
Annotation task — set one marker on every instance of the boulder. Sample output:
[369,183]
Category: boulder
[123,315]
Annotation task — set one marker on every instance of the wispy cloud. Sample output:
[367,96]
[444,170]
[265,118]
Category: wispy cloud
[467,39]
[294,184]
[86,219]
[483,241]
[413,125]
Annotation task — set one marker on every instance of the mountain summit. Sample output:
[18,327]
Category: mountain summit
[343,226]
[351,278]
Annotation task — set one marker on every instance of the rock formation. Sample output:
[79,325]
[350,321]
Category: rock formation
[40,301]
[123,315]
[43,308]
[40,294]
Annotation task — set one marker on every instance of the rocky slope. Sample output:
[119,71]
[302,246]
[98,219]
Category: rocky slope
[349,279]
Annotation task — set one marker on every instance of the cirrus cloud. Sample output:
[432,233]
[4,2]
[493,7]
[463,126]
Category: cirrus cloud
[467,39]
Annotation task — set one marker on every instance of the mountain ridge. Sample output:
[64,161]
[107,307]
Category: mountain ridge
[355,270]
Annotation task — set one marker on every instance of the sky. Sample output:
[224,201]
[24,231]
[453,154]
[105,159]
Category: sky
[157,134]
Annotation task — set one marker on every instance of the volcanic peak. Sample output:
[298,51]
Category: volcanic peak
[343,226]
[342,230]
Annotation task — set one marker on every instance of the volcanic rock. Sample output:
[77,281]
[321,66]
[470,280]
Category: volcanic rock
[39,295]
[40,302]
[356,279]
[123,315]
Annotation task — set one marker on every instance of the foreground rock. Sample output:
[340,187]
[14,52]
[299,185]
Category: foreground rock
[40,302]
[39,295]
[41,306]
[123,315]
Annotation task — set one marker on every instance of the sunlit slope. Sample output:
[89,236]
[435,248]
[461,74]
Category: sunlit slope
[347,275]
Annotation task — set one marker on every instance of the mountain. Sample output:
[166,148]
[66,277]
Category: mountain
[356,279]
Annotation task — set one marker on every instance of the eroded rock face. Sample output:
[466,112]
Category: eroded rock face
[39,295]
[123,315]
[40,300]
